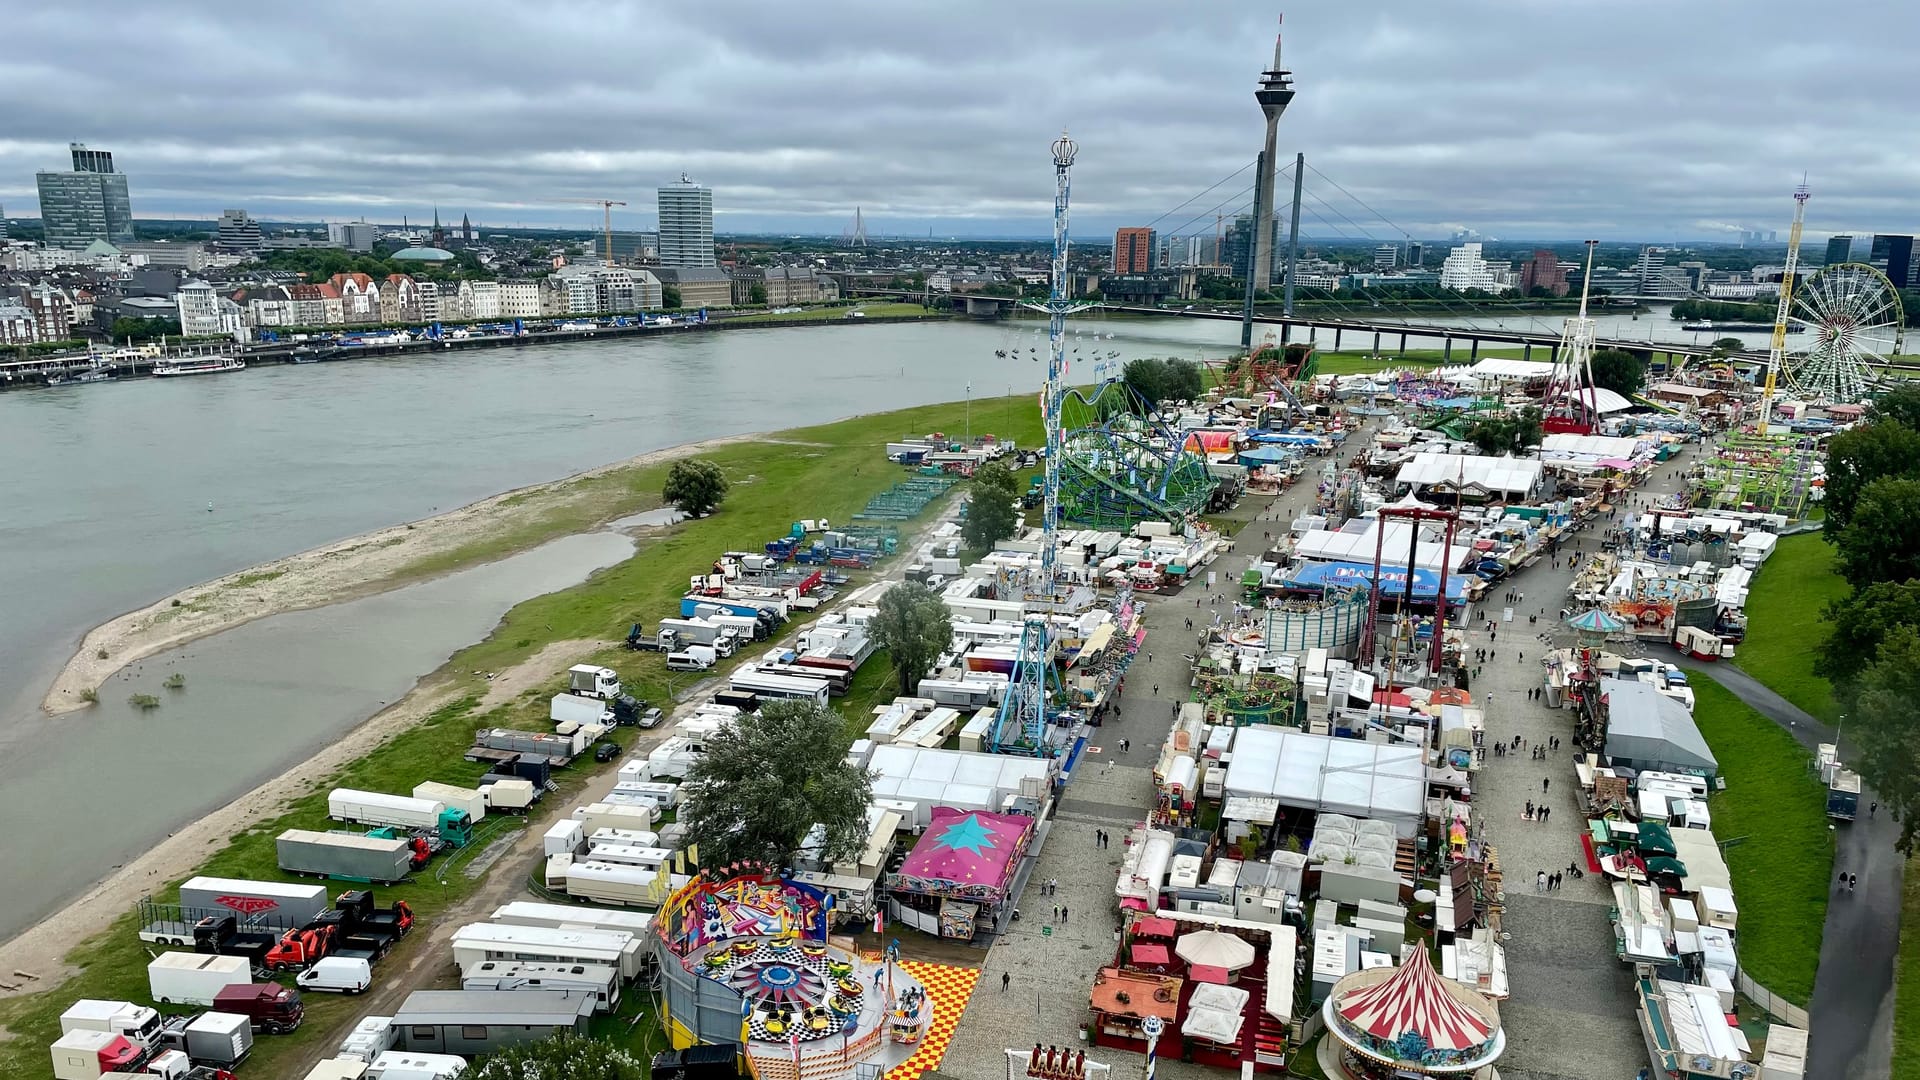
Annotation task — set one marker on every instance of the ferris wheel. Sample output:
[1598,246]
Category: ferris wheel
[1852,317]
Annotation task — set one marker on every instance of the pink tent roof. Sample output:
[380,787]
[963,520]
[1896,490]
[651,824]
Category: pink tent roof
[1414,999]
[966,849]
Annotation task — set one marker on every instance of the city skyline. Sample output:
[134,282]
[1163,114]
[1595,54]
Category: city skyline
[1467,118]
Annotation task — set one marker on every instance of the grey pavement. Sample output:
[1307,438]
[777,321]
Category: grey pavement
[1851,1012]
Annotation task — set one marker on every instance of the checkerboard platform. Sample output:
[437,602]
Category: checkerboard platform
[949,988]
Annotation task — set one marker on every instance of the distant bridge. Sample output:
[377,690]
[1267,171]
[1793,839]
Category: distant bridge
[1391,333]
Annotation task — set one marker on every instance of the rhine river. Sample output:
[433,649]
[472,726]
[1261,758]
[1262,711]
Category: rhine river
[118,494]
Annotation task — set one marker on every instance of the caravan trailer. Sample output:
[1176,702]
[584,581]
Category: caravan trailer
[476,942]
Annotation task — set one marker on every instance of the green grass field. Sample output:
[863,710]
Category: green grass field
[1784,625]
[1351,362]
[1772,823]
[827,471]
[1906,993]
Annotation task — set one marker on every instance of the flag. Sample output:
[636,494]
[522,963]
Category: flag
[880,921]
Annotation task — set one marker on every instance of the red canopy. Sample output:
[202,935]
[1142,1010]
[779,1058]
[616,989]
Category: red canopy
[1414,999]
[1155,927]
[1149,955]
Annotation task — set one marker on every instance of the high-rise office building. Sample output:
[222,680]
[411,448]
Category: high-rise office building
[686,224]
[1416,255]
[352,235]
[238,234]
[1134,252]
[1839,249]
[1543,271]
[1892,255]
[1238,245]
[1386,256]
[1464,269]
[3,224]
[90,203]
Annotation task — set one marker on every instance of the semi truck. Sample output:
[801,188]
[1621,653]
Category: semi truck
[92,1055]
[723,640]
[355,928]
[640,641]
[346,857]
[429,816]
[270,1007]
[137,1024]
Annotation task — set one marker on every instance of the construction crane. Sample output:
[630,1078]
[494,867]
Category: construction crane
[1777,349]
[606,206]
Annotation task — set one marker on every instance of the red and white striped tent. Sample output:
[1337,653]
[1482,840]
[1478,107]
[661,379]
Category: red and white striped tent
[1415,998]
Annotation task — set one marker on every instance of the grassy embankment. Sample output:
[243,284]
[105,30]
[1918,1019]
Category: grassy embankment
[829,471]
[1784,627]
[1779,851]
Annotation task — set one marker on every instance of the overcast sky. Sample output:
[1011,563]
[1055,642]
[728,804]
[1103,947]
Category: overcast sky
[1544,119]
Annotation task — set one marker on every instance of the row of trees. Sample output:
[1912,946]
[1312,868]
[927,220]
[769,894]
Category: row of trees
[1157,380]
[1872,655]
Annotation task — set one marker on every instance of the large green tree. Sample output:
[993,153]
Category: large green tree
[990,513]
[1861,622]
[564,1057]
[915,627]
[1157,380]
[1883,544]
[1886,729]
[1901,404]
[696,486]
[1507,433]
[1619,371]
[1858,457]
[766,782]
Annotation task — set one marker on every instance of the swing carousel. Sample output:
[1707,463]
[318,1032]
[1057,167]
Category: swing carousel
[759,941]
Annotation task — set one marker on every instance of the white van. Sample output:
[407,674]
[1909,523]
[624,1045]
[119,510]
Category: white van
[690,660]
[339,974]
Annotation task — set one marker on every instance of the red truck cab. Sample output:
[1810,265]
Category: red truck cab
[272,1008]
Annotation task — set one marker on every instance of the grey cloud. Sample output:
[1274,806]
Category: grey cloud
[1519,118]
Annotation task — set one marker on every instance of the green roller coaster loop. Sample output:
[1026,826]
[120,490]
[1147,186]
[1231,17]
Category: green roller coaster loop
[1123,464]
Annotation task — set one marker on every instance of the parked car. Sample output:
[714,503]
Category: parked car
[651,718]
[606,751]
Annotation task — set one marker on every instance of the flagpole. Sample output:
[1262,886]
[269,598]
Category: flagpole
[1152,1026]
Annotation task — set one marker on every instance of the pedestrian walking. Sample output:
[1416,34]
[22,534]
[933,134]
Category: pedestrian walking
[1529,809]
[1063,913]
[1872,807]
[1540,881]
[1852,880]
[1056,913]
[1545,783]
[1005,978]
[1548,811]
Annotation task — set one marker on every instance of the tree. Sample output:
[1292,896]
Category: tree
[124,330]
[564,1057]
[1861,622]
[1886,729]
[756,293]
[1884,545]
[1727,346]
[1619,371]
[696,486]
[990,514]
[763,785]
[915,627]
[1859,456]
[1157,380]
[670,297]
[1901,405]
[1507,433]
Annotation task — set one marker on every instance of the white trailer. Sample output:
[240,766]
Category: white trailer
[645,838]
[615,883]
[512,794]
[471,801]
[477,942]
[604,815]
[564,837]
[600,980]
[579,709]
[369,1038]
[657,796]
[337,1069]
[750,680]
[414,1065]
[646,858]
[379,808]
[564,916]
[175,978]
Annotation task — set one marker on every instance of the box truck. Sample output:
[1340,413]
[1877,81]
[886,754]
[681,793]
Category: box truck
[347,857]
[216,1038]
[195,978]
[357,807]
[599,682]
[600,980]
[88,1055]
[579,709]
[137,1024]
[512,794]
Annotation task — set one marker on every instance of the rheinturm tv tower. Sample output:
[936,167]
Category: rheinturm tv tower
[1274,95]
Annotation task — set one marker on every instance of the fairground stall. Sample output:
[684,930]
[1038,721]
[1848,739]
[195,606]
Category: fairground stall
[959,877]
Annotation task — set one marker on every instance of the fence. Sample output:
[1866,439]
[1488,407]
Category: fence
[1776,1006]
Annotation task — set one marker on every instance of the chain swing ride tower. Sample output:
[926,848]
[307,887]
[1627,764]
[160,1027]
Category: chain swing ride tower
[1021,725]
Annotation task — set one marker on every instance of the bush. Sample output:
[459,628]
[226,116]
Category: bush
[144,701]
[175,681]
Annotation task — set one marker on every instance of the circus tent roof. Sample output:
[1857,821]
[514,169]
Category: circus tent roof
[1415,999]
[965,851]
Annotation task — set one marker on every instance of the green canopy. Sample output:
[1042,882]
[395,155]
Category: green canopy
[1655,839]
[1663,865]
